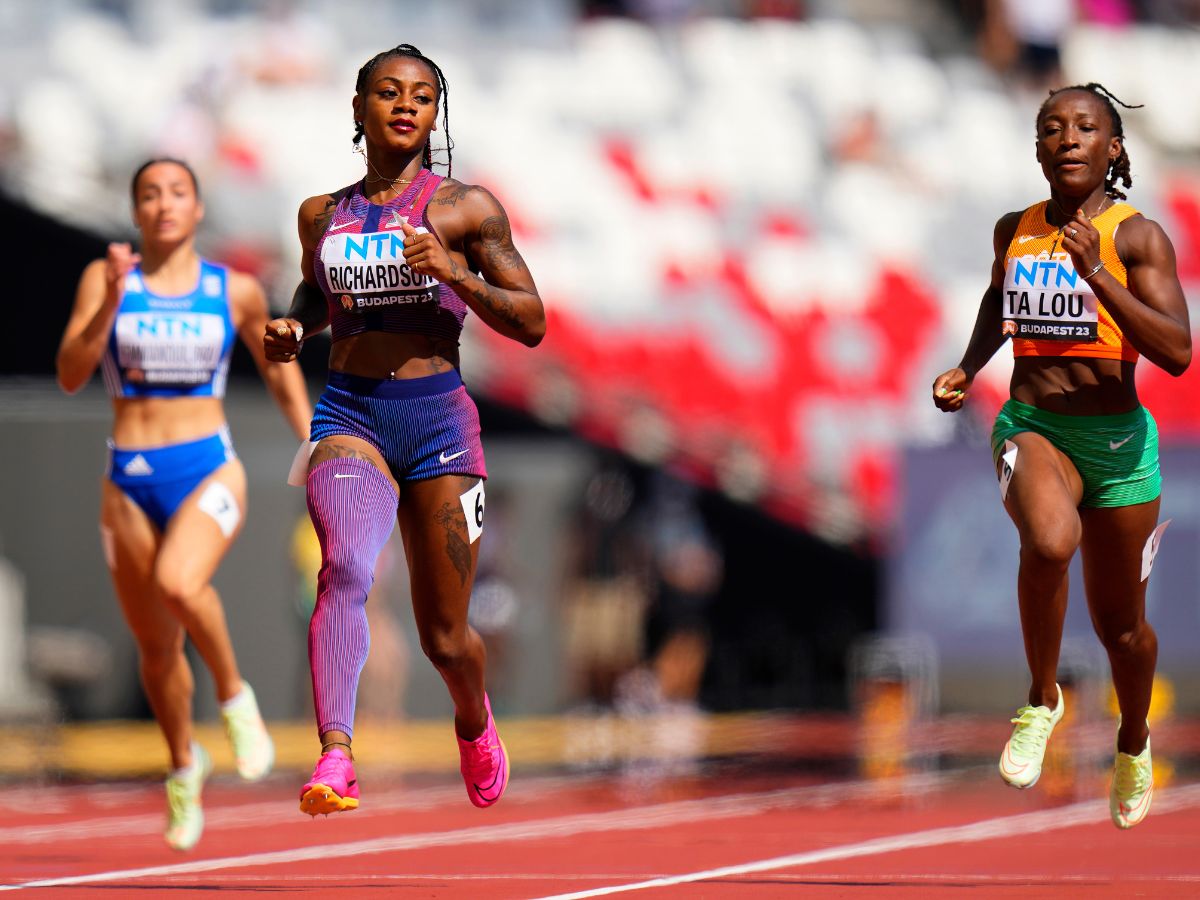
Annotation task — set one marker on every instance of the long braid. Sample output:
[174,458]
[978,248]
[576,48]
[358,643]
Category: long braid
[364,77]
[1118,169]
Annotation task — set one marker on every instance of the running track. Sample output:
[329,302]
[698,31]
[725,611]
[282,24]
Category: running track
[718,832]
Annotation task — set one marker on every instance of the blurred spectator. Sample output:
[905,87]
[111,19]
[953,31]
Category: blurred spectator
[1022,38]
[605,600]
[688,569]
[290,47]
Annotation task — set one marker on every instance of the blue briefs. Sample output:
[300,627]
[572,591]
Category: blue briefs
[423,427]
[159,479]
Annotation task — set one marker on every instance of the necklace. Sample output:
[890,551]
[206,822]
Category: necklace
[392,182]
[1105,202]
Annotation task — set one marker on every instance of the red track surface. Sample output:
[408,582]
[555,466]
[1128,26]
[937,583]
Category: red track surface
[587,835]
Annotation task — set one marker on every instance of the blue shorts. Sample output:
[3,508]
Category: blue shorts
[423,427]
[159,479]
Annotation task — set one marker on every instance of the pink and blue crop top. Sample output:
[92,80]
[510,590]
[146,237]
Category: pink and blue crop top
[171,346]
[359,264]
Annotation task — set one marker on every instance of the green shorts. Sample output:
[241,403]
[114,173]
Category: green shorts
[1116,456]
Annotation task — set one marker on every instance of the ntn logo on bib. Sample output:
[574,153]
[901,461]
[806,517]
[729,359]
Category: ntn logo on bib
[1044,298]
[170,341]
[362,264]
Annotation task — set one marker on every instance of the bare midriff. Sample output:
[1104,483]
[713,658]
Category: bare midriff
[1075,386]
[146,422]
[399,356]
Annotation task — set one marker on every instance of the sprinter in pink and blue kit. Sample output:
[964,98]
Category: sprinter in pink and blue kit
[392,264]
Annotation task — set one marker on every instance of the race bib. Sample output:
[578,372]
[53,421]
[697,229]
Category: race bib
[169,347]
[368,271]
[1045,299]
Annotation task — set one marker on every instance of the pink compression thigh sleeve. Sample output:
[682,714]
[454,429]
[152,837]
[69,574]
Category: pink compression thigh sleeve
[353,509]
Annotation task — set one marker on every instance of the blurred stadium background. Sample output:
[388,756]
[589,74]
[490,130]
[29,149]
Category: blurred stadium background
[760,229]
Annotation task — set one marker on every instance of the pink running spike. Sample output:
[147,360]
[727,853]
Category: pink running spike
[484,763]
[333,786]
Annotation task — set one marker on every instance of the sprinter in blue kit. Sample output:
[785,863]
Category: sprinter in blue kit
[161,326]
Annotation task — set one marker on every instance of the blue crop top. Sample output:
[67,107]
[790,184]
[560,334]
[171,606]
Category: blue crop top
[171,346]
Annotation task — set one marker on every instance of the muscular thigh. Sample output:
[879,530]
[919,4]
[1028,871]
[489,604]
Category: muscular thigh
[205,525]
[345,446]
[1045,488]
[439,546]
[131,546]
[1114,539]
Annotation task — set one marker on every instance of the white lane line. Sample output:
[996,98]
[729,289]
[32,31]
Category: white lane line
[261,815]
[989,829]
[629,819]
[878,878]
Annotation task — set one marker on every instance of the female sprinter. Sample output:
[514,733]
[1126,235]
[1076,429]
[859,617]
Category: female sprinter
[161,325]
[1084,284]
[390,264]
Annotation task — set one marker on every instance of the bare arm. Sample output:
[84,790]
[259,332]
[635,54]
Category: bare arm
[97,298]
[503,294]
[284,380]
[309,313]
[1152,311]
[951,387]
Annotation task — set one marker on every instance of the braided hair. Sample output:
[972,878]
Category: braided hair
[408,50]
[1118,169]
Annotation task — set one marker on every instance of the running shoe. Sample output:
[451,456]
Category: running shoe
[484,763]
[252,745]
[333,786]
[1132,788]
[185,815]
[1021,761]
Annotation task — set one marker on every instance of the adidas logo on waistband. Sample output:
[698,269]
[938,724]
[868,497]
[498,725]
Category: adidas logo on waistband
[138,466]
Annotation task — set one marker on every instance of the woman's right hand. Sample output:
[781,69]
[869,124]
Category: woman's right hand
[119,262]
[950,390]
[282,339]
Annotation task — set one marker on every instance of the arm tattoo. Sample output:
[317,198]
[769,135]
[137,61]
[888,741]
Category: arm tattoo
[321,219]
[459,551]
[452,194]
[497,302]
[498,249]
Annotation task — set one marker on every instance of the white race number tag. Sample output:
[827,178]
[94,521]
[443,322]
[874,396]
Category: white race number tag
[1008,462]
[472,504]
[218,501]
[1151,549]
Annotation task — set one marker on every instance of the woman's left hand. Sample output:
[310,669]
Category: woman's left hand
[1082,241]
[425,255]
